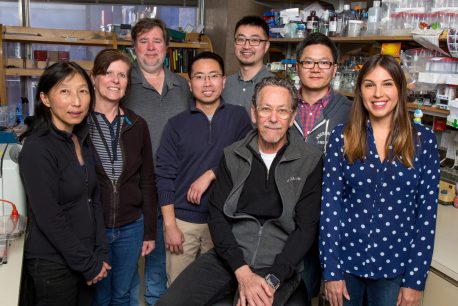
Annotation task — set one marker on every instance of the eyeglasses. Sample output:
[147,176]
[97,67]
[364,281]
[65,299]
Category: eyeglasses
[240,41]
[265,112]
[212,77]
[309,64]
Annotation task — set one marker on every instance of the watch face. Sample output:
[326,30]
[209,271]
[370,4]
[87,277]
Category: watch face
[273,281]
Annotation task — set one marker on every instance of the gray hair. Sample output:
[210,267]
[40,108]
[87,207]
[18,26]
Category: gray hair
[276,82]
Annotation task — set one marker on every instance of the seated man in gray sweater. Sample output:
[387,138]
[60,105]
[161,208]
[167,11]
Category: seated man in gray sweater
[264,211]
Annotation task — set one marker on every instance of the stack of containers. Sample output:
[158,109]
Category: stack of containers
[401,17]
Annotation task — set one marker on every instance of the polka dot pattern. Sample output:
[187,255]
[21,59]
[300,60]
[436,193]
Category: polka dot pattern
[378,218]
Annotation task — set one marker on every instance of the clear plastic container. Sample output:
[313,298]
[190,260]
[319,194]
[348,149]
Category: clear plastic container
[386,23]
[405,3]
[415,17]
[441,16]
[423,20]
[439,3]
[354,27]
[395,22]
[453,20]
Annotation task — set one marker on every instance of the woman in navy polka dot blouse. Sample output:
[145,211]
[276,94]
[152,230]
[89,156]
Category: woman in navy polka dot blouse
[380,189]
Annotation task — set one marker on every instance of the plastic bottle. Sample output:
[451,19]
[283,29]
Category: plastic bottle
[373,19]
[342,20]
[364,15]
[19,118]
[324,23]
[290,71]
[336,81]
[300,30]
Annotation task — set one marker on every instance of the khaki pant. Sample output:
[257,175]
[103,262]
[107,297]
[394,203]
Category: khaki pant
[197,241]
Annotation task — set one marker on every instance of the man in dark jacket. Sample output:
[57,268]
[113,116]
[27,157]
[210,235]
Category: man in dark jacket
[319,110]
[264,211]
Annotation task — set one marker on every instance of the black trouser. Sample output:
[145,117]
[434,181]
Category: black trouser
[207,280]
[56,285]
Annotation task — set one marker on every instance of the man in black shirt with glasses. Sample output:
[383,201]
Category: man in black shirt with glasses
[319,110]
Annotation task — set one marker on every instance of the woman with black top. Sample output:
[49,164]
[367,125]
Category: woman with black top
[125,172]
[66,249]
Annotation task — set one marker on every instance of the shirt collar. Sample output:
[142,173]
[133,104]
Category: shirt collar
[81,130]
[256,78]
[323,101]
[193,107]
[137,77]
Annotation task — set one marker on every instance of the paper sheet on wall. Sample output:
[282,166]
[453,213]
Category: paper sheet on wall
[429,39]
[447,142]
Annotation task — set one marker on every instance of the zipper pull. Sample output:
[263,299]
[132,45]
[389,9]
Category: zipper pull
[113,182]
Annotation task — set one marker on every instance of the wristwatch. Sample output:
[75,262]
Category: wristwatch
[273,281]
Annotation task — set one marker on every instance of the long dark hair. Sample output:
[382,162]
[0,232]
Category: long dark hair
[400,138]
[41,122]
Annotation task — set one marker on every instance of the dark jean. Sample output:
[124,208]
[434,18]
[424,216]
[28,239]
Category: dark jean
[155,276]
[312,272]
[125,244]
[207,280]
[380,292]
[56,285]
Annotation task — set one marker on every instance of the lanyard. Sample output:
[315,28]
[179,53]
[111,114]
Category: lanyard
[114,142]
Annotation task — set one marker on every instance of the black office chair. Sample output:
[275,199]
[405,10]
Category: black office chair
[299,298]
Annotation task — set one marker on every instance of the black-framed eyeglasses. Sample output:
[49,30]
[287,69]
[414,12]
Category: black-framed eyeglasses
[201,77]
[309,64]
[266,112]
[240,41]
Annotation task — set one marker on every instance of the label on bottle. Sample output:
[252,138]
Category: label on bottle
[332,26]
[339,25]
[311,25]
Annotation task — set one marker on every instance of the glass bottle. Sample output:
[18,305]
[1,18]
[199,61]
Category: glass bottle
[332,24]
[312,23]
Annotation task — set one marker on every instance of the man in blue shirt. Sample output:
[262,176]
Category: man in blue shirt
[191,146]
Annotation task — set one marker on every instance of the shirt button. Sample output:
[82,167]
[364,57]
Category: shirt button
[311,114]
[244,89]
